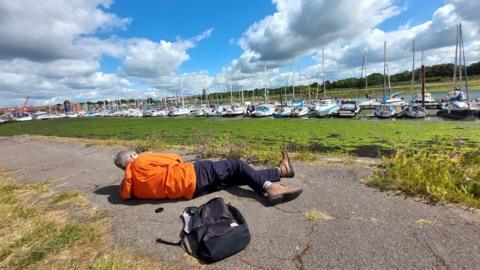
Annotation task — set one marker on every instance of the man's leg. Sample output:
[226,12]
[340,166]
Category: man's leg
[216,175]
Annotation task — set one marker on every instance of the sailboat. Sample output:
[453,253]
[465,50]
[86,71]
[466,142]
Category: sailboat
[284,110]
[414,110]
[23,116]
[298,106]
[265,109]
[458,105]
[327,106]
[182,111]
[234,109]
[385,110]
[369,103]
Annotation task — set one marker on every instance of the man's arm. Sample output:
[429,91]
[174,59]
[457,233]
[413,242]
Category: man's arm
[126,188]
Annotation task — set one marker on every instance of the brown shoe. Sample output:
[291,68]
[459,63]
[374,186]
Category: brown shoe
[285,166]
[278,193]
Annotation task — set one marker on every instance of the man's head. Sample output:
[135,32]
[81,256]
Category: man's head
[124,157]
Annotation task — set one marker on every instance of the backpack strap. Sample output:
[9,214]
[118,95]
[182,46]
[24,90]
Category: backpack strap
[180,242]
[162,241]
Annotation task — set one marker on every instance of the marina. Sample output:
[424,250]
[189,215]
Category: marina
[328,107]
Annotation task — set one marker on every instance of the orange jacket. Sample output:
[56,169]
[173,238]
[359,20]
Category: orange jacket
[158,176]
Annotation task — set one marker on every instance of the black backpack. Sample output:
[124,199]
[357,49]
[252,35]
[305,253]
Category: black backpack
[212,231]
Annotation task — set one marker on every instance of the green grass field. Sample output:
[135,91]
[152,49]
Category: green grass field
[435,160]
[324,136]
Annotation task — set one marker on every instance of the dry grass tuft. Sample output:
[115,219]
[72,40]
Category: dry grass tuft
[424,221]
[314,215]
[35,234]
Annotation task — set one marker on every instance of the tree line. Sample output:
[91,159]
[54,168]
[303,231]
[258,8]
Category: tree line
[435,73]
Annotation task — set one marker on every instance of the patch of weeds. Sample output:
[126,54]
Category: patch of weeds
[66,237]
[152,142]
[73,197]
[314,215]
[424,222]
[440,174]
[10,186]
[36,236]
[118,261]
[221,146]
[265,157]
[348,160]
[306,156]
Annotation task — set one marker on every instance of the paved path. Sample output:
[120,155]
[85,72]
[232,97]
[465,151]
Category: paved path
[367,229]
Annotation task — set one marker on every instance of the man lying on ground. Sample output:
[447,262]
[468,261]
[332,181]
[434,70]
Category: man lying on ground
[166,176]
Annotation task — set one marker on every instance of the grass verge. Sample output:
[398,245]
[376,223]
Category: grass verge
[440,174]
[256,139]
[37,231]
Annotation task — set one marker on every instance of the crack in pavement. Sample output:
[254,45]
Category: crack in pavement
[298,258]
[252,264]
[288,211]
[440,260]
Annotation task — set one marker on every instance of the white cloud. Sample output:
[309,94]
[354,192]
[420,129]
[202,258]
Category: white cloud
[150,60]
[53,50]
[302,28]
[48,30]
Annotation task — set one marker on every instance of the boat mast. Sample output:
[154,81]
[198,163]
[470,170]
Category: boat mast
[242,85]
[231,93]
[266,82]
[422,70]
[253,95]
[323,72]
[455,62]
[309,91]
[460,64]
[316,94]
[388,75]
[293,82]
[181,89]
[413,67]
[384,69]
[364,72]
[462,49]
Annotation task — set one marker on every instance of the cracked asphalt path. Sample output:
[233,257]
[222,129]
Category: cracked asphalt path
[368,229]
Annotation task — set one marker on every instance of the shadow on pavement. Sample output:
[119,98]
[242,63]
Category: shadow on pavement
[247,193]
[112,191]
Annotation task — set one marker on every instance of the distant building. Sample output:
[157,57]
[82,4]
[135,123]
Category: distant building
[66,106]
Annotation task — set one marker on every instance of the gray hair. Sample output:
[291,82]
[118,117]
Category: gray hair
[122,158]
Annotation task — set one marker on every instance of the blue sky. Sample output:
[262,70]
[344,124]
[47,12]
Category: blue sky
[94,49]
[169,19]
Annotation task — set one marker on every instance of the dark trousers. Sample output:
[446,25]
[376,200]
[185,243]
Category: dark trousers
[216,175]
